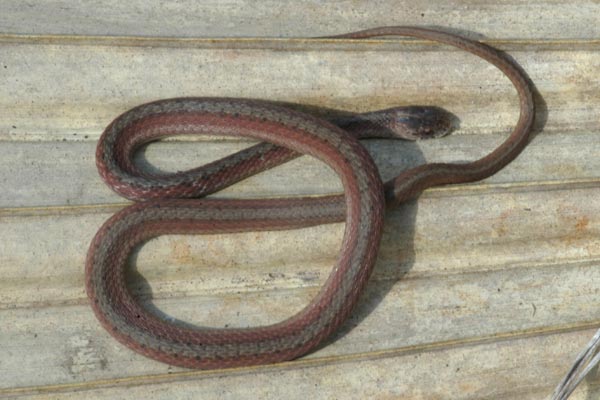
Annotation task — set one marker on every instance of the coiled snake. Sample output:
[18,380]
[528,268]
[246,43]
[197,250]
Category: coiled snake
[172,206]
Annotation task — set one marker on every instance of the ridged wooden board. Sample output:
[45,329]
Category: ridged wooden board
[489,369]
[29,180]
[481,291]
[71,92]
[565,225]
[539,19]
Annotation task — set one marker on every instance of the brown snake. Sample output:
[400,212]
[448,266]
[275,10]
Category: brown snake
[290,133]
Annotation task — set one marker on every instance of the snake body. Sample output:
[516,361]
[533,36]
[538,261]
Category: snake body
[172,206]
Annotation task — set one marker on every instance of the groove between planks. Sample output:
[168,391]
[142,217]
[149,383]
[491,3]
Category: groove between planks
[477,189]
[294,44]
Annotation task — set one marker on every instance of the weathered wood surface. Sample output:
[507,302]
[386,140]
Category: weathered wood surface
[71,92]
[521,19]
[481,291]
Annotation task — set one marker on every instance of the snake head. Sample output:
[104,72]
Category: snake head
[421,122]
[408,123]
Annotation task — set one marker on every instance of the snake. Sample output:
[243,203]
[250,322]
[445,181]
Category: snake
[176,203]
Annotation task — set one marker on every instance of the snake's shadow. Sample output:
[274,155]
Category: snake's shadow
[397,250]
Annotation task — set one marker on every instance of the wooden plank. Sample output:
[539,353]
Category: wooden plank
[240,18]
[443,235]
[523,368]
[391,315]
[56,174]
[42,102]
